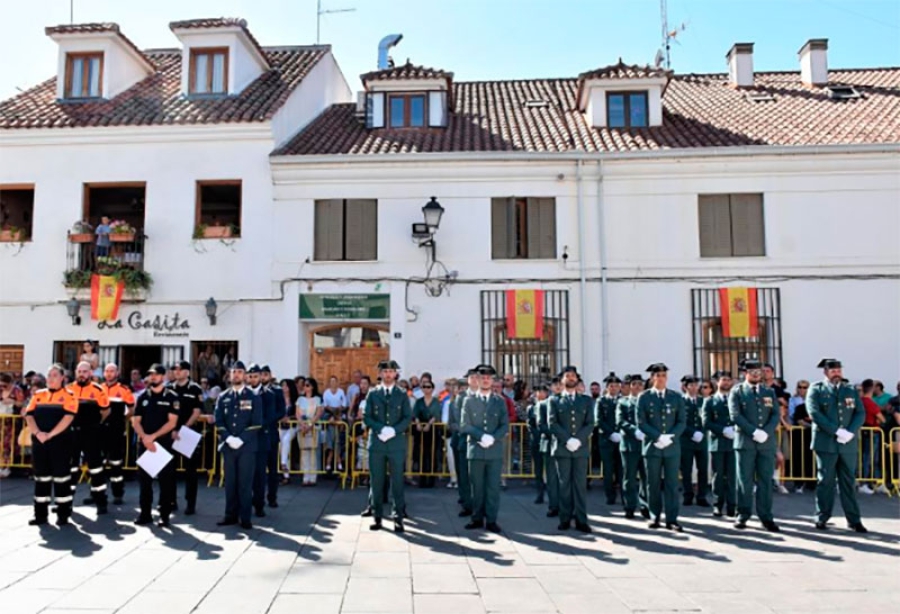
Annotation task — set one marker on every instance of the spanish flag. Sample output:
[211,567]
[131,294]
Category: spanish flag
[106,295]
[524,314]
[739,315]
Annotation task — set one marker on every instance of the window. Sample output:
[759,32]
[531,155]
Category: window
[731,225]
[210,360]
[523,228]
[346,229]
[843,92]
[626,110]
[84,75]
[208,71]
[218,209]
[406,111]
[16,212]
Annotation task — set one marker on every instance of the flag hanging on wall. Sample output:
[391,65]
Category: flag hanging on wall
[106,295]
[524,314]
[739,314]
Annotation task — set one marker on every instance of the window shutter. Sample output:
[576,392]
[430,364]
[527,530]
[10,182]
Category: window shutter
[500,228]
[541,228]
[747,225]
[375,110]
[329,230]
[715,225]
[362,229]
[437,109]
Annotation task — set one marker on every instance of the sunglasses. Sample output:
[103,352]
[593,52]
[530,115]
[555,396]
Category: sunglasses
[427,387]
[802,387]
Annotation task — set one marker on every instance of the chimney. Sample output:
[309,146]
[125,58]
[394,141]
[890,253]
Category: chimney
[740,65]
[814,62]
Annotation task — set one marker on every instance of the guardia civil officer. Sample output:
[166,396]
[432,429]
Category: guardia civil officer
[754,410]
[534,440]
[190,407]
[270,420]
[459,443]
[485,422]
[49,416]
[609,437]
[238,421]
[693,444]
[281,410]
[93,408]
[121,404]
[660,416]
[155,417]
[571,418]
[547,449]
[837,413]
[717,421]
[388,416]
[634,475]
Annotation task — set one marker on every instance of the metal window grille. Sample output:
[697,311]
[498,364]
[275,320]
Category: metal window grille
[713,351]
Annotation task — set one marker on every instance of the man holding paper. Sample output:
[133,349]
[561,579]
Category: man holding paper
[155,416]
[388,415]
[718,422]
[571,419]
[660,416]
[238,422]
[753,408]
[837,413]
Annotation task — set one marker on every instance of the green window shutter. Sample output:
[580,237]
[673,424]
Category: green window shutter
[500,229]
[748,225]
[541,228]
[329,230]
[360,241]
[714,225]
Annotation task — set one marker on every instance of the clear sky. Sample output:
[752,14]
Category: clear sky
[486,39]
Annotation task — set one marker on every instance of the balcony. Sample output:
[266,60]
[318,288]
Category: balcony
[123,258]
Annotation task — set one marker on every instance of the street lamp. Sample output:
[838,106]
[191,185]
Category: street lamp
[211,307]
[433,212]
[72,308]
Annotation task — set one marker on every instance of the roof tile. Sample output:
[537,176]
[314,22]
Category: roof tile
[406,71]
[217,22]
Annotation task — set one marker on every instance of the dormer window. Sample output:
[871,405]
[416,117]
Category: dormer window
[407,96]
[407,110]
[626,109]
[84,75]
[209,71]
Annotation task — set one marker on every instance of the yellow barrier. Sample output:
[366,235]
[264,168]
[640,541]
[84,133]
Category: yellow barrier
[799,465]
[517,463]
[15,443]
[870,467]
[892,453]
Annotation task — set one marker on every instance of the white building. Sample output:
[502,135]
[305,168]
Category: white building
[629,195]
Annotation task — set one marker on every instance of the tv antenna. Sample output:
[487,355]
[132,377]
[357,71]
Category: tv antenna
[668,35]
[320,11]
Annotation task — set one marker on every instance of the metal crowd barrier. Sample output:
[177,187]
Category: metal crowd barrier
[799,461]
[13,454]
[892,452]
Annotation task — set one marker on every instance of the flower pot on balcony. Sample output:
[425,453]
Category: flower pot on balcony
[122,237]
[12,236]
[217,232]
[81,237]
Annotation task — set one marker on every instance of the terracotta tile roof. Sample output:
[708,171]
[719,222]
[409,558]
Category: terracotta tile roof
[90,28]
[406,71]
[158,100]
[217,22]
[625,71]
[698,111]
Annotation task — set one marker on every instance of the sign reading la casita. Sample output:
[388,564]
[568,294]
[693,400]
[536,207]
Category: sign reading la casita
[161,326]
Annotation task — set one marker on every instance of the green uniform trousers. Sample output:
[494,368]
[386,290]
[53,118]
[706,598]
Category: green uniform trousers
[379,462]
[688,457]
[485,476]
[463,484]
[724,485]
[552,482]
[838,467]
[665,468]
[634,490]
[755,466]
[608,460]
[572,488]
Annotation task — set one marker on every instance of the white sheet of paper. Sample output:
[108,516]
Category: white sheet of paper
[187,441]
[154,462]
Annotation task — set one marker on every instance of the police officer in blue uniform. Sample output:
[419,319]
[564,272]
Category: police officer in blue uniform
[238,422]
[281,410]
[269,423]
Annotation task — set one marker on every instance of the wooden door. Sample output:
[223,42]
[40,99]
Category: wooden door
[342,361]
[12,359]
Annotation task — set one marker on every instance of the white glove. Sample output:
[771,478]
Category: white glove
[639,434]
[483,444]
[668,438]
[843,435]
[662,443]
[386,434]
[728,432]
[615,438]
[697,437]
[234,442]
[760,436]
[573,444]
[486,441]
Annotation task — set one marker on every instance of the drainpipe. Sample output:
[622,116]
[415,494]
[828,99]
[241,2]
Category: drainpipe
[604,282]
[581,262]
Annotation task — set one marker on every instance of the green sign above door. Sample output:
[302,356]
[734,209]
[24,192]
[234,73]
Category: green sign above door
[345,307]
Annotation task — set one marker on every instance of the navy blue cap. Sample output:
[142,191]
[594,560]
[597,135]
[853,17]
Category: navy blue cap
[238,366]
[265,369]
[253,368]
[156,368]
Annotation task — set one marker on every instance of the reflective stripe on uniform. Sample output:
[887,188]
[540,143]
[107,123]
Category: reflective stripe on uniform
[42,499]
[115,463]
[117,478]
[42,478]
[61,480]
[98,488]
[64,499]
[95,470]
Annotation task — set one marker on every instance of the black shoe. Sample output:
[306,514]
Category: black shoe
[143,520]
[771,527]
[493,527]
[688,501]
[583,527]
[260,512]
[367,513]
[717,512]
[674,526]
[552,513]
[821,525]
[475,524]
[465,513]
[247,525]
[375,526]
[37,522]
[190,511]
[629,514]
[118,501]
[398,525]
[645,512]
[273,504]
[89,501]
[858,527]
[539,499]
[62,521]
[703,503]
[163,523]
[740,524]
[731,512]
[564,526]
[226,522]
[653,524]
[102,509]
[405,514]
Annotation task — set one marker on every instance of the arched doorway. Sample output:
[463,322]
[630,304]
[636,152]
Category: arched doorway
[340,349]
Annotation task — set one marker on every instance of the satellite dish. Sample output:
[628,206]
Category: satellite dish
[658,60]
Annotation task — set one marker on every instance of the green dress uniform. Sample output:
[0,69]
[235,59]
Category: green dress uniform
[634,491]
[694,451]
[753,407]
[546,446]
[459,446]
[484,416]
[831,408]
[661,413]
[608,439]
[387,407]
[571,416]
[534,447]
[721,448]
